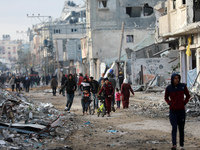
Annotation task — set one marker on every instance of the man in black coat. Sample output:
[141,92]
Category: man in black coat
[70,86]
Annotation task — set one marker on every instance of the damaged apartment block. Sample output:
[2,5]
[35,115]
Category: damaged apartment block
[146,10]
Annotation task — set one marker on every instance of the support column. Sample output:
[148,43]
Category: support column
[183,66]
[92,68]
[189,63]
[198,62]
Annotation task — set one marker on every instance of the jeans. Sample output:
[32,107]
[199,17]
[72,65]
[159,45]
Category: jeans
[70,98]
[27,89]
[118,104]
[113,101]
[96,101]
[85,103]
[54,91]
[63,92]
[17,88]
[177,118]
[13,87]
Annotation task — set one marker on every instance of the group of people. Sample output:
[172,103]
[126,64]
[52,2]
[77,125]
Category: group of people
[105,87]
[20,83]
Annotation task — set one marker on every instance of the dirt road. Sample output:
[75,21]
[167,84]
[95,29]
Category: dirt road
[125,129]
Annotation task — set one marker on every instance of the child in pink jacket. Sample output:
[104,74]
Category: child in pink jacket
[118,98]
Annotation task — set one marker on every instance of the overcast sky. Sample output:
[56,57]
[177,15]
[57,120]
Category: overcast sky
[13,14]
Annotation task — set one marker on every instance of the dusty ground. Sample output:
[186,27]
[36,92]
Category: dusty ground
[135,131]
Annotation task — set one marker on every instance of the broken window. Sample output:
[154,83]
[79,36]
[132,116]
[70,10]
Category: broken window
[134,11]
[129,38]
[183,2]
[174,4]
[196,10]
[102,3]
[147,10]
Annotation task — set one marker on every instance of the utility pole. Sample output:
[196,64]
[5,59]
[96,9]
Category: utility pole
[44,20]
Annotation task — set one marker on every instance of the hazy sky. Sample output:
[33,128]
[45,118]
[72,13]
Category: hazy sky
[13,14]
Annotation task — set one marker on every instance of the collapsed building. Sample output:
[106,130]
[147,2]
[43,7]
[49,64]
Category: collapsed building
[119,31]
[180,21]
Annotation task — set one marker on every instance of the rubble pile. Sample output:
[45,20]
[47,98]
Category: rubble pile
[156,107]
[25,125]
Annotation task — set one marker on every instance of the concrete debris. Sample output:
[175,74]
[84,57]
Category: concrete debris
[25,125]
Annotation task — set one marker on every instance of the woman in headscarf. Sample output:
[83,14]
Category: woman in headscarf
[125,91]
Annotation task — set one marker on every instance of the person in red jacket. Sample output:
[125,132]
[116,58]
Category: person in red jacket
[174,96]
[108,89]
[125,91]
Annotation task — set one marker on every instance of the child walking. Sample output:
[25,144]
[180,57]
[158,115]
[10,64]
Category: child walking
[118,98]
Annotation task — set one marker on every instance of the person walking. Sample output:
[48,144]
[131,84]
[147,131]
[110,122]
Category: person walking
[118,98]
[64,79]
[80,80]
[121,79]
[174,96]
[12,83]
[70,86]
[27,84]
[101,78]
[125,91]
[108,89]
[95,86]
[54,85]
[17,82]
[113,82]
[85,100]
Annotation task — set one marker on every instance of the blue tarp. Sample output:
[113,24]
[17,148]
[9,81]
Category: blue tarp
[191,76]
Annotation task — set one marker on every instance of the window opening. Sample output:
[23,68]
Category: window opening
[134,11]
[129,38]
[174,4]
[147,10]
[102,3]
[183,1]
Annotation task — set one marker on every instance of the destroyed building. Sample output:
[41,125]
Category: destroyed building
[180,20]
[104,29]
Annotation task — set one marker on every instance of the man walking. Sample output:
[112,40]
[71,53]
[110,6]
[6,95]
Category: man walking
[64,79]
[108,89]
[17,82]
[70,85]
[174,96]
[113,82]
[54,85]
[12,83]
[95,86]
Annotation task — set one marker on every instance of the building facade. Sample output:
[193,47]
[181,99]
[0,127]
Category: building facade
[104,30]
[181,20]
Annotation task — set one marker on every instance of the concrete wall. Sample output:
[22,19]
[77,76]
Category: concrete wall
[152,67]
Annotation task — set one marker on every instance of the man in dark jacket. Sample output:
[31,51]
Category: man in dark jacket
[174,96]
[64,79]
[108,89]
[27,84]
[121,79]
[54,85]
[70,87]
[95,86]
[113,82]
[17,82]
[85,87]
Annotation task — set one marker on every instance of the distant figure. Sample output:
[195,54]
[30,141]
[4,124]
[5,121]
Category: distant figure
[95,86]
[121,79]
[64,79]
[12,83]
[108,90]
[17,82]
[174,96]
[113,82]
[54,85]
[101,78]
[118,98]
[80,80]
[27,84]
[70,86]
[125,91]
